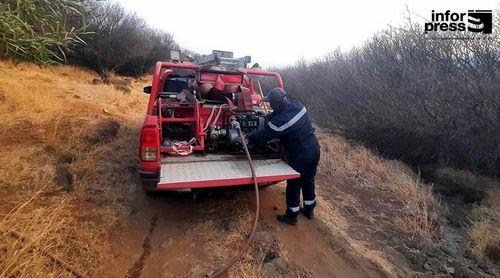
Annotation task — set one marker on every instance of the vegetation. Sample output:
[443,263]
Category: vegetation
[120,41]
[99,35]
[413,97]
[60,124]
[38,31]
[419,99]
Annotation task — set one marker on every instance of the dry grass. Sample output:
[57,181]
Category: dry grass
[46,112]
[484,220]
[484,234]
[229,233]
[395,183]
[363,194]
[484,231]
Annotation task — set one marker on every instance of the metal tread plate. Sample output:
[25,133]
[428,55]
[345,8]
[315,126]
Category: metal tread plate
[213,173]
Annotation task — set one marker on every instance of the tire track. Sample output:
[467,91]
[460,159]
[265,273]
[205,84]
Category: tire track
[136,270]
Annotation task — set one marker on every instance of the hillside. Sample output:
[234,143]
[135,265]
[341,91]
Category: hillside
[69,188]
[65,166]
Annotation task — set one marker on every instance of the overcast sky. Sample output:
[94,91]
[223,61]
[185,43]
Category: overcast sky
[279,32]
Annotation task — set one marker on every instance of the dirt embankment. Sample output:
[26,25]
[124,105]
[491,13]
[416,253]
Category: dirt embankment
[68,183]
[66,160]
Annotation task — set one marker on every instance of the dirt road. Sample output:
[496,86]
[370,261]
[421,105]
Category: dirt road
[179,235]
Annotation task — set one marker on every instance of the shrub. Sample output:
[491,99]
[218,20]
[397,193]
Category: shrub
[412,97]
[120,41]
[38,31]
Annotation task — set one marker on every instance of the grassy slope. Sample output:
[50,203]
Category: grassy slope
[369,200]
[45,113]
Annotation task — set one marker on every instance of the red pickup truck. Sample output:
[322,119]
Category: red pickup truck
[189,138]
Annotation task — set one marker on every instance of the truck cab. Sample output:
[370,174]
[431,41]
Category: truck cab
[189,137]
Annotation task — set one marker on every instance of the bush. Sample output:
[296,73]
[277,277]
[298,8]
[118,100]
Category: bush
[120,41]
[38,31]
[418,99]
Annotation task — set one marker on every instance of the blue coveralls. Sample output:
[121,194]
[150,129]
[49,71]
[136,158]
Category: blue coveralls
[295,132]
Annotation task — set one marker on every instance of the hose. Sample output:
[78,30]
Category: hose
[209,119]
[244,248]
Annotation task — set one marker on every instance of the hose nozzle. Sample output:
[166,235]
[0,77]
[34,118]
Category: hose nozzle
[235,125]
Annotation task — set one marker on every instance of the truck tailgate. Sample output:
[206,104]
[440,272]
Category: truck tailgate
[215,171]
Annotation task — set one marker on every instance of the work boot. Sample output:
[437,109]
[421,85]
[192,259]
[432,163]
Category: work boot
[308,210]
[289,217]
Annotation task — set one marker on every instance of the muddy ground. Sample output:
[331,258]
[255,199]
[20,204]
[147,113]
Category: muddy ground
[171,235]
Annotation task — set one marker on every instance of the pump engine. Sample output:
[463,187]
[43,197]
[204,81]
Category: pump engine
[227,137]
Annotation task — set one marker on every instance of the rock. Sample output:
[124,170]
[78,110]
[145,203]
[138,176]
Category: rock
[268,270]
[419,258]
[117,81]
[400,274]
[104,131]
[395,240]
[434,265]
[66,158]
[271,255]
[459,270]
[428,274]
[450,270]
[96,81]
[448,250]
[106,111]
[261,237]
[256,254]
[412,243]
[77,96]
[427,267]
[382,234]
[281,265]
[124,89]
[198,274]
[434,252]
[63,177]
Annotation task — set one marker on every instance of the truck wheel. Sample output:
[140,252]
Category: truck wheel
[149,191]
[149,182]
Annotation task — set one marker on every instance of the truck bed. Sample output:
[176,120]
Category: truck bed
[220,170]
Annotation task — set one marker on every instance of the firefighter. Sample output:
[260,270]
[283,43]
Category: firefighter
[290,123]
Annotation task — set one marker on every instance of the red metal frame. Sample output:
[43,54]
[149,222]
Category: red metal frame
[226,182]
[161,73]
[263,72]
[157,77]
